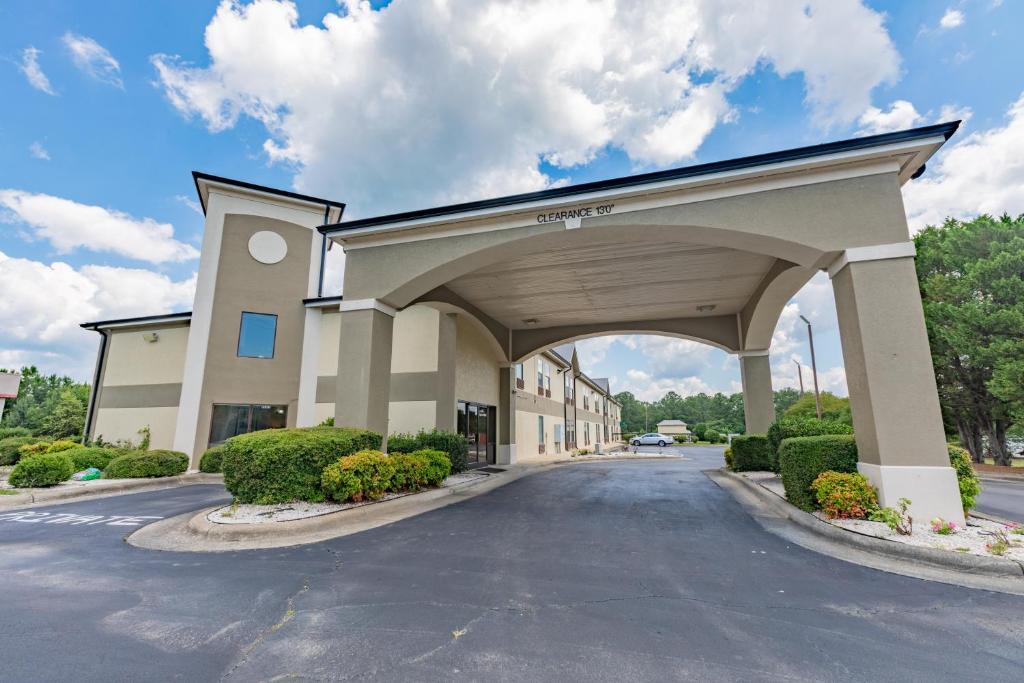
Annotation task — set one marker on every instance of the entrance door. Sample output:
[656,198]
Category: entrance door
[476,423]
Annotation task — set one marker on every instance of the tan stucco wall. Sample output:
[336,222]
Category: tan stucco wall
[330,326]
[527,441]
[409,417]
[244,284]
[414,345]
[115,424]
[131,360]
[476,368]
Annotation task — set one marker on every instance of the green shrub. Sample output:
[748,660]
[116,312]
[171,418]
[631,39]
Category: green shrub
[44,469]
[143,464]
[212,460]
[970,487]
[451,443]
[439,466]
[8,432]
[845,495]
[802,459]
[10,448]
[84,458]
[63,445]
[789,427]
[282,465]
[729,458]
[410,471]
[340,484]
[751,453]
[34,448]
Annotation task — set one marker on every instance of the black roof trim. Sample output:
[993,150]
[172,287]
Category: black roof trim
[945,129]
[184,315]
[199,175]
[321,300]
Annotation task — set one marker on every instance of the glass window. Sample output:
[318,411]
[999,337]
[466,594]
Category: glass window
[540,429]
[231,420]
[519,371]
[256,335]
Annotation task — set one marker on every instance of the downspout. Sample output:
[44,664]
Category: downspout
[323,252]
[90,412]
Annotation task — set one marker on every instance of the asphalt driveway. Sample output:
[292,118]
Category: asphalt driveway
[1003,498]
[597,571]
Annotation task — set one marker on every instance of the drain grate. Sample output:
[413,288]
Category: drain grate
[490,470]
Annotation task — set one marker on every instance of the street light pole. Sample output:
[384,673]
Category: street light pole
[646,428]
[814,366]
[800,374]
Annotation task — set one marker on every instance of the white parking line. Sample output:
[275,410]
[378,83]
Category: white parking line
[31,517]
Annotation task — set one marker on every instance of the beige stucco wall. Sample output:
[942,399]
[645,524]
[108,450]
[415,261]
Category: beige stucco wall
[131,360]
[409,417]
[414,344]
[476,368]
[115,424]
[330,326]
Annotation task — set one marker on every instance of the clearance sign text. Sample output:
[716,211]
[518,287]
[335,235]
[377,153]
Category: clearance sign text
[581,212]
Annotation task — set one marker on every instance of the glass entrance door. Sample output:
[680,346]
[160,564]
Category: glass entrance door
[476,423]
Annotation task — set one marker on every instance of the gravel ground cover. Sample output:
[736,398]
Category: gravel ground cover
[974,539]
[287,512]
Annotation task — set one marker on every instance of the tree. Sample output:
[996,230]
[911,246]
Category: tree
[784,398]
[51,405]
[832,407]
[971,275]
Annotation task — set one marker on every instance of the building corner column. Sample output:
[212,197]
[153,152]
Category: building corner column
[364,365]
[507,416]
[894,401]
[758,397]
[445,390]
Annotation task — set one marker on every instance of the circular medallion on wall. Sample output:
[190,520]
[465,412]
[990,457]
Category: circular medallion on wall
[267,247]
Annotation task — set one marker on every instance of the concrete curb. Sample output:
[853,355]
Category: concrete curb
[969,564]
[104,489]
[193,532]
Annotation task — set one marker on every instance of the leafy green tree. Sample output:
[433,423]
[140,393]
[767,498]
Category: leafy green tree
[50,405]
[832,407]
[784,398]
[971,275]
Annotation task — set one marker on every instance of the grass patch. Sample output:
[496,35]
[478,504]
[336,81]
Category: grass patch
[1016,462]
[8,492]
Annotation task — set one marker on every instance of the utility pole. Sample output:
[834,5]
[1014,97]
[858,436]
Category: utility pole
[814,366]
[800,374]
[646,428]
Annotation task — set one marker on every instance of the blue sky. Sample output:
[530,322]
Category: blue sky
[110,105]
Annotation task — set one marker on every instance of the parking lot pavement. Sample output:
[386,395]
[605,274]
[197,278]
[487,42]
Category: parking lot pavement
[1002,498]
[608,571]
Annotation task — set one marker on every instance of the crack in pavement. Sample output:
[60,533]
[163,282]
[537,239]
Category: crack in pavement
[288,615]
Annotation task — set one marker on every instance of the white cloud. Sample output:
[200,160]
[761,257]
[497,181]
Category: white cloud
[93,59]
[44,304]
[669,357]
[37,151]
[33,72]
[190,203]
[981,173]
[951,19]
[901,115]
[593,351]
[954,112]
[68,225]
[447,100]
[646,387]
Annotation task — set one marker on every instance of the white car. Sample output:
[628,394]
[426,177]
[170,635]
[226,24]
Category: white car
[652,439]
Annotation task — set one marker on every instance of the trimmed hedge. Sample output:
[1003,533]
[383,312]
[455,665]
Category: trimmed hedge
[282,465]
[10,448]
[970,487]
[751,453]
[845,495]
[42,470]
[728,458]
[370,474]
[789,427]
[448,442]
[63,445]
[144,464]
[802,459]
[8,432]
[212,460]
[94,456]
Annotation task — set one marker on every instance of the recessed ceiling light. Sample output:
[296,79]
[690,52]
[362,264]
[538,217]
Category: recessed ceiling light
[530,321]
[706,308]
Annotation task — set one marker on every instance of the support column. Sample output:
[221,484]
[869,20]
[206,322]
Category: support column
[445,388]
[893,398]
[758,397]
[364,365]
[507,416]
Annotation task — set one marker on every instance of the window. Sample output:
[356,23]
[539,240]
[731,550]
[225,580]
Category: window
[586,433]
[540,433]
[520,376]
[570,393]
[543,377]
[256,335]
[232,419]
[558,438]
